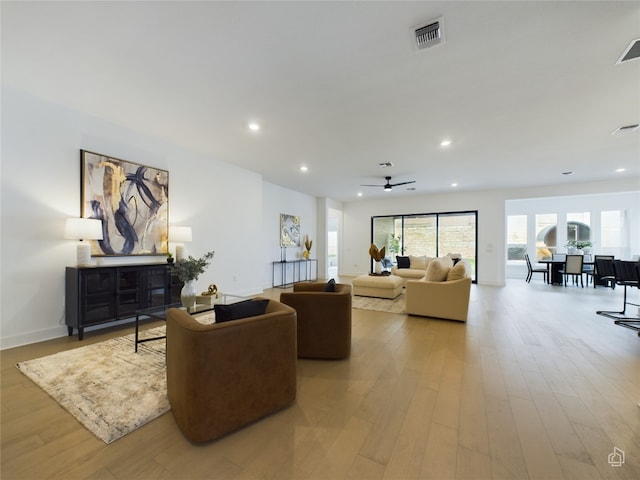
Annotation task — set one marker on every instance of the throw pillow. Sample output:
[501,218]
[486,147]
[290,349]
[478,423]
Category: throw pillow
[457,272]
[419,263]
[235,311]
[330,286]
[456,257]
[437,271]
[403,262]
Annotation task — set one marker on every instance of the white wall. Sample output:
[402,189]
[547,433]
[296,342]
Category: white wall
[40,173]
[278,200]
[491,220]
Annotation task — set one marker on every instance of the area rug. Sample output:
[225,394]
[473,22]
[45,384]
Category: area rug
[397,305]
[108,387]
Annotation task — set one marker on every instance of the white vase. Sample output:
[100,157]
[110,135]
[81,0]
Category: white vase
[188,294]
[378,268]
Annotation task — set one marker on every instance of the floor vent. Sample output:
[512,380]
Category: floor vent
[429,34]
[631,52]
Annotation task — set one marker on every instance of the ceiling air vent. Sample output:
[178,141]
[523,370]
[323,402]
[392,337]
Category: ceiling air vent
[631,52]
[429,34]
[625,129]
[385,164]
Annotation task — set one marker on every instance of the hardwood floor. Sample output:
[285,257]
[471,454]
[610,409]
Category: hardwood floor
[534,386]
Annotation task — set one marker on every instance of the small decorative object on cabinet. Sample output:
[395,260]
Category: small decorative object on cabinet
[308,243]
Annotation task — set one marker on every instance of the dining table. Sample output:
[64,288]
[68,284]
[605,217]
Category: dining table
[554,277]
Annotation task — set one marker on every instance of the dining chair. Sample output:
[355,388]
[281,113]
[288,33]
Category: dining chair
[602,272]
[627,274]
[531,270]
[573,268]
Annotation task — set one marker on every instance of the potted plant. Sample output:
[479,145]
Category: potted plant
[585,246]
[169,257]
[188,270]
[571,246]
[394,243]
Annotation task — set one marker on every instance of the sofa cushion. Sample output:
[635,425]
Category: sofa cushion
[419,263]
[403,262]
[330,286]
[437,270]
[458,271]
[235,311]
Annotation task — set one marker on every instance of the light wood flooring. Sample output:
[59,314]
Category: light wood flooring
[534,386]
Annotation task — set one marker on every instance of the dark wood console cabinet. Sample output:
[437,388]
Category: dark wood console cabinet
[104,294]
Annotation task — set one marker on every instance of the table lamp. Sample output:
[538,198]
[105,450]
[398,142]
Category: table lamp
[179,235]
[83,229]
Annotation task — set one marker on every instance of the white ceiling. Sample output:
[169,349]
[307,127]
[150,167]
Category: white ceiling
[524,90]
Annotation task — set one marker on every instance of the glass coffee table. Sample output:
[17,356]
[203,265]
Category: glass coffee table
[160,313]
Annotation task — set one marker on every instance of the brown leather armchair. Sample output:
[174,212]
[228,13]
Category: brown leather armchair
[223,376]
[324,319]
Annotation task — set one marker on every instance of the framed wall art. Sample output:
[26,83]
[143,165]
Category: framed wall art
[132,200]
[289,230]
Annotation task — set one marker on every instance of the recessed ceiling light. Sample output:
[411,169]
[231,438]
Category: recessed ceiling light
[618,170]
[254,127]
[454,184]
[359,194]
[567,173]
[304,168]
[445,143]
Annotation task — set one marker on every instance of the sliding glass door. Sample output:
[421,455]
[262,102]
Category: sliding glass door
[430,234]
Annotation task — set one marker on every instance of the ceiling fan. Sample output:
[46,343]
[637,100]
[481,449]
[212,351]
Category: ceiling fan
[387,187]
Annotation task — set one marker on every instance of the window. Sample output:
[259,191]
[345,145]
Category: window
[611,233]
[546,234]
[516,237]
[579,227]
[420,235]
[457,234]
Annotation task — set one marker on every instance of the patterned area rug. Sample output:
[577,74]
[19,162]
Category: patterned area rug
[380,304]
[108,387]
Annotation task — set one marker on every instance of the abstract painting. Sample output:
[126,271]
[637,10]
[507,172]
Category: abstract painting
[289,230]
[132,200]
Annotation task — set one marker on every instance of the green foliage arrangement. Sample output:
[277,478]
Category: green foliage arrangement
[191,268]
[578,244]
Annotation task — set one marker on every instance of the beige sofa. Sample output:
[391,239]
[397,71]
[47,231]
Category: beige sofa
[445,295]
[417,267]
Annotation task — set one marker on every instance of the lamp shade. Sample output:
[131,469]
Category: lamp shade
[179,234]
[83,229]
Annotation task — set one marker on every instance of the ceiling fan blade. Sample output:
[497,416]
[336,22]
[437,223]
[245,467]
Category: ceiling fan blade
[372,185]
[402,183]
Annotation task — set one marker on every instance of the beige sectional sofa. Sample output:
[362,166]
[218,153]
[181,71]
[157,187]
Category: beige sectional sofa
[417,267]
[442,293]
